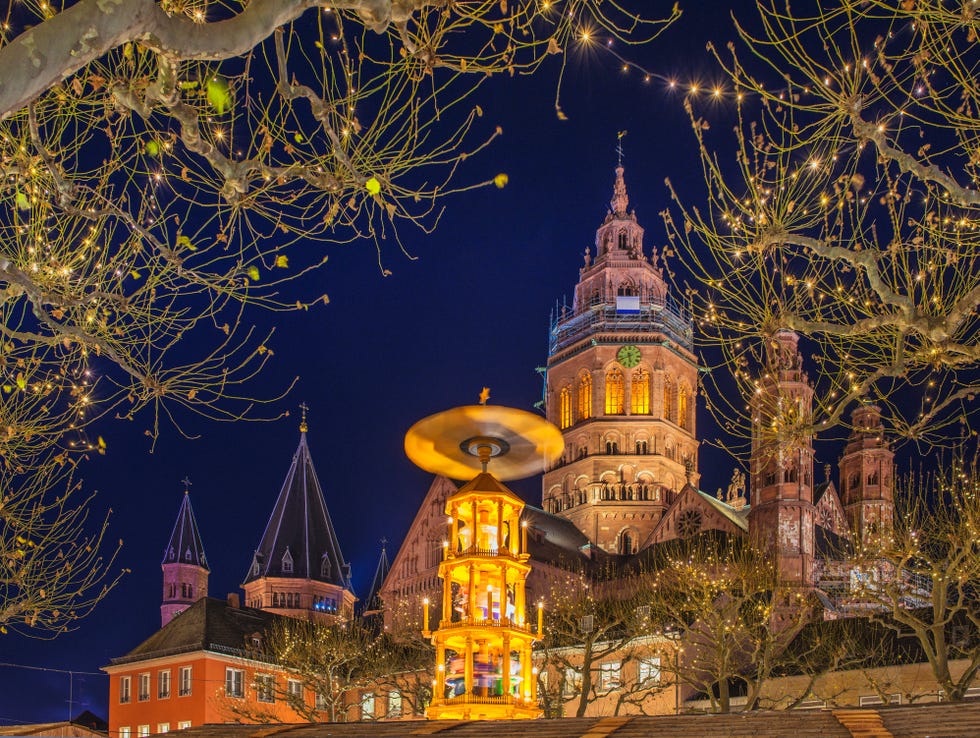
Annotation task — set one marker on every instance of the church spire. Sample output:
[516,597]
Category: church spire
[373,602]
[298,564]
[185,567]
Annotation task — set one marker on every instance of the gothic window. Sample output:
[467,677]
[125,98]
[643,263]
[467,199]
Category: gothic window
[623,240]
[853,481]
[287,562]
[689,523]
[585,396]
[614,392]
[642,447]
[873,478]
[640,392]
[669,400]
[682,414]
[612,447]
[769,477]
[565,407]
[626,543]
[626,289]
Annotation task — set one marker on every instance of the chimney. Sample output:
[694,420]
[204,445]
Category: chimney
[233,600]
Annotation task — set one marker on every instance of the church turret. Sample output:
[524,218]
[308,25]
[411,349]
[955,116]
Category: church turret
[621,385]
[298,568]
[867,475]
[185,567]
[782,513]
[373,603]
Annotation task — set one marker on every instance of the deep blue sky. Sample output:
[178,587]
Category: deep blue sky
[471,311]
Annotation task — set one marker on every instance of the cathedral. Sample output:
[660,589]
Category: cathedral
[621,384]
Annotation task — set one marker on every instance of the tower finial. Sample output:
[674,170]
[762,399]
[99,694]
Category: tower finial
[187,483]
[484,395]
[620,200]
[302,424]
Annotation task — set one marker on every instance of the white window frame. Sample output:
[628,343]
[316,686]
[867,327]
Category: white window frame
[142,731]
[394,704]
[185,684]
[183,724]
[367,706]
[125,731]
[143,695]
[294,688]
[125,690]
[265,689]
[163,684]
[649,671]
[572,684]
[610,676]
[163,727]
[234,682]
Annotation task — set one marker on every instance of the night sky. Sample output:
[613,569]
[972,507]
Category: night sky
[470,311]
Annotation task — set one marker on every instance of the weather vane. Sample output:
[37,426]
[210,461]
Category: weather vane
[619,148]
[302,424]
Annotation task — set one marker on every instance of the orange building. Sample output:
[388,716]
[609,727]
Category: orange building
[201,666]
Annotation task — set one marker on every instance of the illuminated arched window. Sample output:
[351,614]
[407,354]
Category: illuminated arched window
[614,392]
[640,393]
[669,400]
[682,417]
[565,407]
[585,397]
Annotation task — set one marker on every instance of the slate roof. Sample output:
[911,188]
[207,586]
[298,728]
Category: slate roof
[738,518]
[209,624]
[299,531]
[185,546]
[555,540]
[373,603]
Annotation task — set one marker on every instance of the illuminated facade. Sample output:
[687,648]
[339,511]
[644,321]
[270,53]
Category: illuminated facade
[622,382]
[483,639]
[185,567]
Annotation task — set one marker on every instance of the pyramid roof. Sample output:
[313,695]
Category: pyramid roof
[185,546]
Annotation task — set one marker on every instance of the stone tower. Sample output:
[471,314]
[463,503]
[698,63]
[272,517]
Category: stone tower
[621,386]
[781,515]
[185,567]
[867,475]
[298,568]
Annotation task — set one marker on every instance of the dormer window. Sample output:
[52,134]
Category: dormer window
[287,563]
[324,566]
[172,554]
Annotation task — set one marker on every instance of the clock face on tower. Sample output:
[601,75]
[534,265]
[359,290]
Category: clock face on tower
[629,356]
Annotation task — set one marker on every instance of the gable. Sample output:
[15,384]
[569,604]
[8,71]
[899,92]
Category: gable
[691,513]
[830,512]
[421,550]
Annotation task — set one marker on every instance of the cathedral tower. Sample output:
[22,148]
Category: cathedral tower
[185,567]
[621,385]
[866,475]
[298,568]
[781,515]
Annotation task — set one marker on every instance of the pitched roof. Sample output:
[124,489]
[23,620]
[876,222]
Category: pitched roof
[299,531]
[185,546]
[209,624]
[738,517]
[372,602]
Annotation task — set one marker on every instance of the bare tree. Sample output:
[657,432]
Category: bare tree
[53,569]
[848,212]
[167,165]
[924,579]
[600,646]
[736,619]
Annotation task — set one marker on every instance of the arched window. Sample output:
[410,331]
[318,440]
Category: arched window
[614,392]
[669,400]
[625,542]
[640,392]
[626,289]
[682,415]
[623,240]
[565,407]
[585,397]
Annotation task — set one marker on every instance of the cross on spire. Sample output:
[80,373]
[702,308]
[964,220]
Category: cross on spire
[302,426]
[187,483]
[619,148]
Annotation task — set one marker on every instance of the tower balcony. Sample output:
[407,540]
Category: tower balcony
[666,318]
